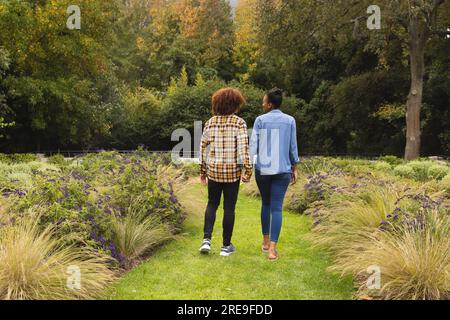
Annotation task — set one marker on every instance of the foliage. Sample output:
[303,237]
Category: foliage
[383,166]
[57,159]
[35,265]
[392,160]
[17,158]
[404,171]
[367,218]
[437,171]
[185,104]
[414,262]
[110,84]
[136,232]
[422,170]
[446,182]
[81,200]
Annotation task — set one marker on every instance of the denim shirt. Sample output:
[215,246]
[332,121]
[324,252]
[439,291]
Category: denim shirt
[274,143]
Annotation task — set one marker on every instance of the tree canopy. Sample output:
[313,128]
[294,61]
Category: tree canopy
[138,69]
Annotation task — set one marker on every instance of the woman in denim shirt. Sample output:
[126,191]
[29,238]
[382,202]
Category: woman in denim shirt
[274,145]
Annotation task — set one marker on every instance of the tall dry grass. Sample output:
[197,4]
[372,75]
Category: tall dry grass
[414,263]
[35,266]
[350,222]
[414,258]
[138,232]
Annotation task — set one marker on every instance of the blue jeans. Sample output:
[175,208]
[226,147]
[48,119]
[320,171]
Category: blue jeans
[273,190]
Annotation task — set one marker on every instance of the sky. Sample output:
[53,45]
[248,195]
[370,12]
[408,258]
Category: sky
[233,4]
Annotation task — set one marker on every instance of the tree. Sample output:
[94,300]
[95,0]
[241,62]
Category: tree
[290,24]
[51,84]
[4,109]
[422,22]
[246,46]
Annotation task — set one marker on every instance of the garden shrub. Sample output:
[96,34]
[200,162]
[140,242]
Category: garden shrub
[34,265]
[191,169]
[43,166]
[313,191]
[315,165]
[57,159]
[414,259]
[437,171]
[392,160]
[382,166]
[390,225]
[251,189]
[445,182]
[18,158]
[136,232]
[404,171]
[420,169]
[82,201]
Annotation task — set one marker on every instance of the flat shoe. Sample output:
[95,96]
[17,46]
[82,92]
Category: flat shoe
[274,259]
[264,249]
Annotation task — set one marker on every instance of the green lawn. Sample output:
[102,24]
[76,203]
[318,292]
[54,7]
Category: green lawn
[178,271]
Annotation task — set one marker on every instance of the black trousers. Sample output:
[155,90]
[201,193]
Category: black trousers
[230,194]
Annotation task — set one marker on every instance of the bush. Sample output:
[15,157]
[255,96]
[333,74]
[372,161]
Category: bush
[43,167]
[18,158]
[415,262]
[392,160]
[401,230]
[186,103]
[382,166]
[191,169]
[21,178]
[58,159]
[404,171]
[314,190]
[80,201]
[420,169]
[34,265]
[347,224]
[316,165]
[438,172]
[136,233]
[445,182]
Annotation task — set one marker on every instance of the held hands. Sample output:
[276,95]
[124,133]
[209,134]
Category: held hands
[245,179]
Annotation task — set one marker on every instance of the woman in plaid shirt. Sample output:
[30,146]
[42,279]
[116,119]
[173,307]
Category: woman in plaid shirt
[224,162]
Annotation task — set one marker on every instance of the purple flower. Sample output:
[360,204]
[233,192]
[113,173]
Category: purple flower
[20,193]
[173,199]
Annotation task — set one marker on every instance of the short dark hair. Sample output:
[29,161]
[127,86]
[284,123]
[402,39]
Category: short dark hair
[227,101]
[275,97]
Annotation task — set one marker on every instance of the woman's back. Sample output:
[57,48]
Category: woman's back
[225,148]
[274,142]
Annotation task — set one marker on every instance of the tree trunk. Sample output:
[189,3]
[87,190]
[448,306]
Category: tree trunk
[418,34]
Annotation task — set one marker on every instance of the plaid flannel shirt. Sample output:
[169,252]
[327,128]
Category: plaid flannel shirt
[224,150]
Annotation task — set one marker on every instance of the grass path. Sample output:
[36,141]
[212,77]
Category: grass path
[177,271]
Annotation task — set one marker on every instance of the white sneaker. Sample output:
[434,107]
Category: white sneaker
[227,251]
[206,246]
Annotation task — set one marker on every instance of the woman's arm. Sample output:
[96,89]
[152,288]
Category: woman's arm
[293,152]
[203,153]
[243,151]
[254,141]
[293,148]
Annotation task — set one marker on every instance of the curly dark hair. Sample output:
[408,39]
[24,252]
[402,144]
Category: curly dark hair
[227,101]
